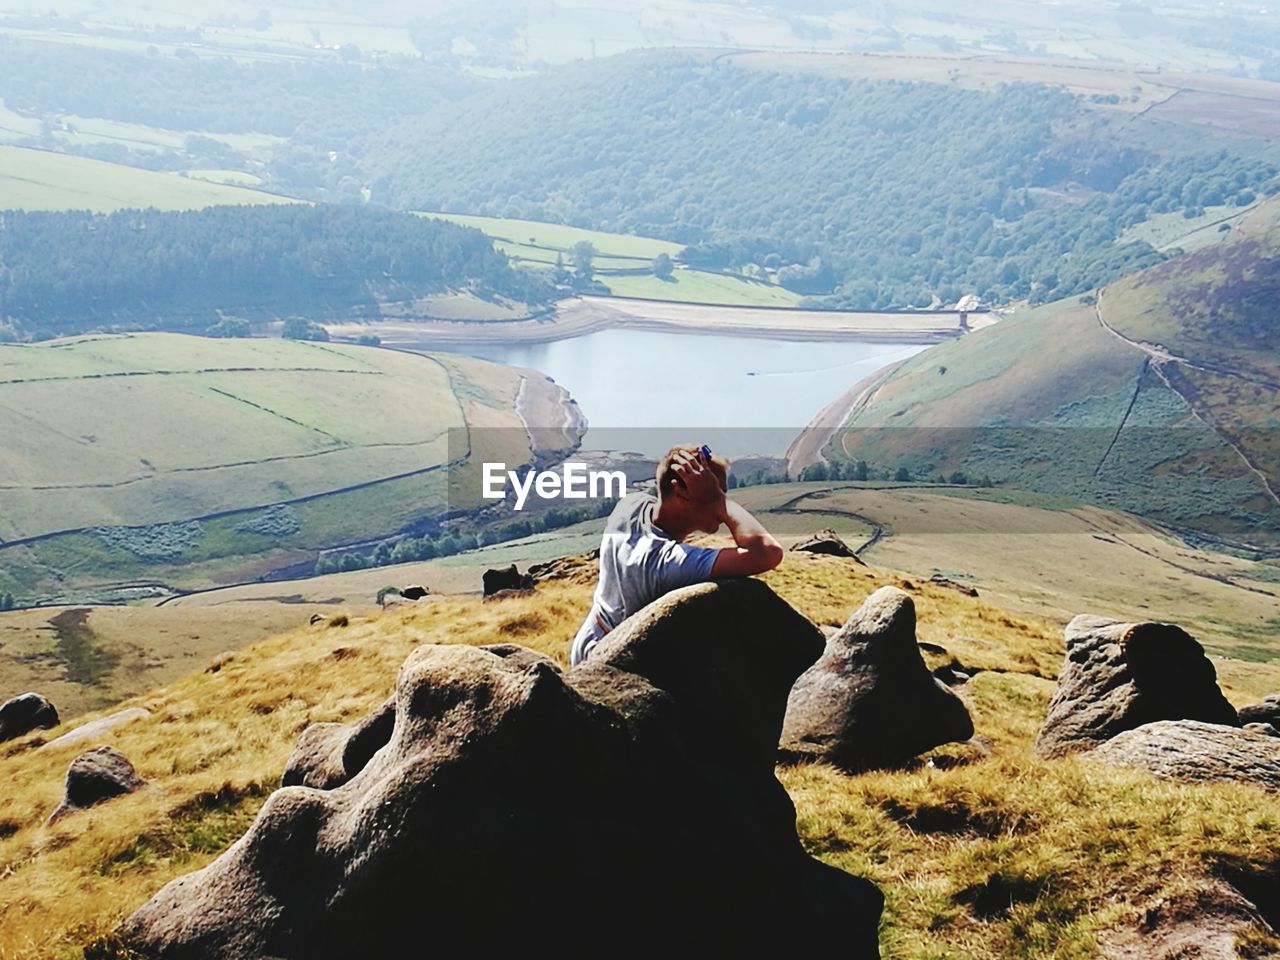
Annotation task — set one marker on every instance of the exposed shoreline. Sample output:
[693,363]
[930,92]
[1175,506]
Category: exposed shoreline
[583,315]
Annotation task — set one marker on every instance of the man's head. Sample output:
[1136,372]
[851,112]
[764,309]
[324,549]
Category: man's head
[675,496]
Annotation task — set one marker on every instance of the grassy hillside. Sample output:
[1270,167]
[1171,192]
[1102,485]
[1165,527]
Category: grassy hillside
[161,458]
[623,263]
[36,180]
[1159,400]
[979,856]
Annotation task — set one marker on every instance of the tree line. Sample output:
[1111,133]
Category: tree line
[860,194]
[145,270]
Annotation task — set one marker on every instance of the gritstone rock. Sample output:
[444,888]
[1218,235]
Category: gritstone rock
[24,713]
[828,543]
[94,777]
[508,578]
[1193,751]
[1266,711]
[870,700]
[515,808]
[1118,676]
[96,729]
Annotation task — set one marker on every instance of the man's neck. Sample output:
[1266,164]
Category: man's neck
[670,519]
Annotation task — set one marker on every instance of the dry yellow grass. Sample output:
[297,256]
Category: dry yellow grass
[1002,855]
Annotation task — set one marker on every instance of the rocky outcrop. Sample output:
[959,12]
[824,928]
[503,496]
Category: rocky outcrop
[24,713]
[1119,676]
[870,700]
[1193,751]
[1205,924]
[508,578]
[828,543]
[626,806]
[94,777]
[97,729]
[1265,711]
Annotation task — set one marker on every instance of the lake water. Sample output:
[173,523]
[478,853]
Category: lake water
[645,390]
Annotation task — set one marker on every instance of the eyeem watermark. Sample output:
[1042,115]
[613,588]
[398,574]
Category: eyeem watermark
[573,481]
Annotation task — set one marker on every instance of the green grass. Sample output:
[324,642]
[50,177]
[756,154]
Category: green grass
[37,180]
[149,429]
[539,244]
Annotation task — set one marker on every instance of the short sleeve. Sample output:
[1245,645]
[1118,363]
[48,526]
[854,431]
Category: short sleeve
[680,565]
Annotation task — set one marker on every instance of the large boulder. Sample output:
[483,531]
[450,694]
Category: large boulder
[24,713]
[1265,711]
[870,701]
[1119,676]
[1193,751]
[627,806]
[94,777]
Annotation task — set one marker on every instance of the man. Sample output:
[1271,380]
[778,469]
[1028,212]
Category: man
[643,554]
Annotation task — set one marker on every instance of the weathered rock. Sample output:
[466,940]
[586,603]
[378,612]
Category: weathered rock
[938,580]
[1265,711]
[94,777]
[508,578]
[1264,728]
[1194,751]
[826,543]
[870,700]
[96,729]
[327,755]
[1205,924]
[24,713]
[634,797]
[1118,676]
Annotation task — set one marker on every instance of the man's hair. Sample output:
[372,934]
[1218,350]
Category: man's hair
[666,474]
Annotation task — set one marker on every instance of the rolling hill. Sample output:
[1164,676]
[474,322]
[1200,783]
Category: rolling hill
[164,459]
[987,851]
[1158,399]
[38,180]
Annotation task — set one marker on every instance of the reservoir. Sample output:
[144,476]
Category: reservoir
[644,390]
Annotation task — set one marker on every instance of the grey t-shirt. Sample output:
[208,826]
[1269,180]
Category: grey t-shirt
[638,564]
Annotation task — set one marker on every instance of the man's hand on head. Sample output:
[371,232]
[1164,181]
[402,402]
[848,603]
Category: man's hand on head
[701,485]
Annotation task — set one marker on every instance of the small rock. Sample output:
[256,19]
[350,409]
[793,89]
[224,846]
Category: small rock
[508,578]
[415,592]
[1266,711]
[826,543]
[94,777]
[220,661]
[870,700]
[1119,676]
[938,580]
[1193,751]
[24,713]
[96,729]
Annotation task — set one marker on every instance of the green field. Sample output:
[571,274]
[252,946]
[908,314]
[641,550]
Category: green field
[222,458]
[540,244]
[36,180]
